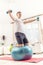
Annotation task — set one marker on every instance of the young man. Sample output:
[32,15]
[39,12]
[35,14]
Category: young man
[20,33]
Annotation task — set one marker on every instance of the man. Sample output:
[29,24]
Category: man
[20,32]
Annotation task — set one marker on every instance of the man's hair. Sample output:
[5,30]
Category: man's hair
[18,12]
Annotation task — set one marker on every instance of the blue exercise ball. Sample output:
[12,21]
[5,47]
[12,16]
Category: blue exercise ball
[21,53]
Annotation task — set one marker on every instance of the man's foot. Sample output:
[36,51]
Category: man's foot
[20,45]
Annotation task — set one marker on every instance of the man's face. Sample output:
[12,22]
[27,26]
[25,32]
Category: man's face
[19,14]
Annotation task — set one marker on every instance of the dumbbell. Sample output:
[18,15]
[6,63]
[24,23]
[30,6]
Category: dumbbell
[37,18]
[9,11]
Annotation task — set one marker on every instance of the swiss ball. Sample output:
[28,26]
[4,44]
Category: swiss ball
[21,53]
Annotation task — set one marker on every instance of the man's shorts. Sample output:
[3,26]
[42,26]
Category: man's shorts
[21,38]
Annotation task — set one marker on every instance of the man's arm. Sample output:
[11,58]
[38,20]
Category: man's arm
[10,14]
[29,20]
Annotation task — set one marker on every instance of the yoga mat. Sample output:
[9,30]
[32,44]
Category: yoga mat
[32,60]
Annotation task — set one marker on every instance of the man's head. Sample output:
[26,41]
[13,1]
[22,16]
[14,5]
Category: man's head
[18,14]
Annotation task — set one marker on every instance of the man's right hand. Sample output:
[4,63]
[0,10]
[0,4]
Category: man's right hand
[9,11]
[10,14]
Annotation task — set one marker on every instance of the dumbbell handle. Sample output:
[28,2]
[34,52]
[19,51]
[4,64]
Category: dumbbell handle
[10,11]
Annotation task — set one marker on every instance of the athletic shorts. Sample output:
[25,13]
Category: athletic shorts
[21,38]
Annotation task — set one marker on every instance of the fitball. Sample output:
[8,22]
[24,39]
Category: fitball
[21,53]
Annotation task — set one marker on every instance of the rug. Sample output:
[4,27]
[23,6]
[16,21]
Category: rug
[32,60]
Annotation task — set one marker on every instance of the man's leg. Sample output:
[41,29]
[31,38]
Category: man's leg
[25,40]
[19,40]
